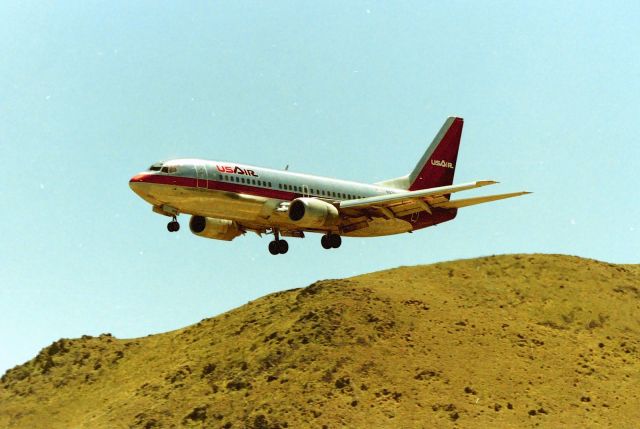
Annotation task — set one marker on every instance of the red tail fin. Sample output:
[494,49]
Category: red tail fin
[438,164]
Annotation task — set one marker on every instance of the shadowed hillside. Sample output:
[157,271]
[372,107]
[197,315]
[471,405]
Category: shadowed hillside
[506,341]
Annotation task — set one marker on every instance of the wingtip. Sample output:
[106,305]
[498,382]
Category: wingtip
[486,182]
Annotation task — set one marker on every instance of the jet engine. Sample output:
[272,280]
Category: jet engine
[218,229]
[312,213]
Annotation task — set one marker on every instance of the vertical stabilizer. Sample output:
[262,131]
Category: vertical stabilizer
[438,164]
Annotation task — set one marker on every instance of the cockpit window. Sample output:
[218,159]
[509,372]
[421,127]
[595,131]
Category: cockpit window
[169,170]
[156,167]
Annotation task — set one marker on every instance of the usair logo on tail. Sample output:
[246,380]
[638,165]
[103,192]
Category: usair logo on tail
[441,163]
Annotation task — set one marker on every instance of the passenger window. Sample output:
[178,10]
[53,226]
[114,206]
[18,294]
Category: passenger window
[237,180]
[269,184]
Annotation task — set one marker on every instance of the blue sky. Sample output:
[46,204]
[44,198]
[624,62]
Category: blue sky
[93,92]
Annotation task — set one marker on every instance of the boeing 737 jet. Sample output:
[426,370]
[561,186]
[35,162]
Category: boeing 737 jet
[226,199]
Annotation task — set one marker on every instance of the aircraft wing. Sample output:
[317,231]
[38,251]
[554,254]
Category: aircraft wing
[465,202]
[410,202]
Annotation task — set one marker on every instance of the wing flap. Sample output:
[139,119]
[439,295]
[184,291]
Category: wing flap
[465,202]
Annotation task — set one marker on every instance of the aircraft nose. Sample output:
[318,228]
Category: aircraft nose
[135,183]
[138,178]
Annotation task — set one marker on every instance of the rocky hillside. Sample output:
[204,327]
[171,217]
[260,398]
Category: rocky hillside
[506,341]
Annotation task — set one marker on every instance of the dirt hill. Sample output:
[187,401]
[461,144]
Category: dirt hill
[506,341]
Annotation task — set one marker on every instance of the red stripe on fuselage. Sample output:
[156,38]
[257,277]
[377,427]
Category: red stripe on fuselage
[240,188]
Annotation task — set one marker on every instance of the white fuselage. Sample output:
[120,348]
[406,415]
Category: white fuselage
[254,197]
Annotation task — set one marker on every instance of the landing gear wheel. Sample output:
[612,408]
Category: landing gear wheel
[173,226]
[331,241]
[283,247]
[278,247]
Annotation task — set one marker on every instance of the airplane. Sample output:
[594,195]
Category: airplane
[227,199]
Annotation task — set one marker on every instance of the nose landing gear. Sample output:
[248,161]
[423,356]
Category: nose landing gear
[331,241]
[173,226]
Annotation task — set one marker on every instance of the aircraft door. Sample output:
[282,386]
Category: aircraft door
[201,176]
[305,191]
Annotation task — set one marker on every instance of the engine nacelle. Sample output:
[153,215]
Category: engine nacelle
[312,213]
[217,229]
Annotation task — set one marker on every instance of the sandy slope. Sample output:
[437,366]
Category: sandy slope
[507,341]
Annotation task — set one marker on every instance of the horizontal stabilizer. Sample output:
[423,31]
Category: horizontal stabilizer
[465,202]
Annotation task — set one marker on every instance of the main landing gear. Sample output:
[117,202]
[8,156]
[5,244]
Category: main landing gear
[277,246]
[173,226]
[331,241]
[280,247]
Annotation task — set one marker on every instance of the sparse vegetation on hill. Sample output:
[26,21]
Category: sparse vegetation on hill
[506,341]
